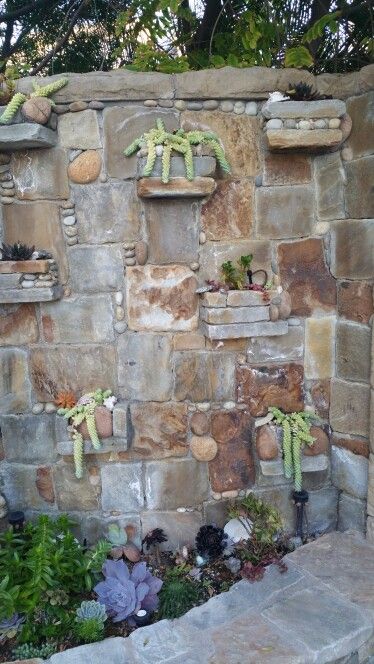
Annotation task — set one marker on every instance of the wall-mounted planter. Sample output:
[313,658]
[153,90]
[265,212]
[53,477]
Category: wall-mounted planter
[26,135]
[199,187]
[29,281]
[116,442]
[239,314]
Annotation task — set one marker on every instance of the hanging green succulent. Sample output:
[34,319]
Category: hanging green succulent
[180,142]
[296,433]
[39,91]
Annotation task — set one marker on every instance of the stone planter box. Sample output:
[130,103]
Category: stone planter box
[116,424]
[26,135]
[237,315]
[202,185]
[29,281]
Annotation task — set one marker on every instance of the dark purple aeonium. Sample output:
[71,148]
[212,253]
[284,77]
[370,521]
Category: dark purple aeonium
[124,593]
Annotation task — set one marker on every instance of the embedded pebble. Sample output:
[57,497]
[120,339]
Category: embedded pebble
[202,237]
[227,106]
[8,184]
[120,327]
[118,297]
[71,231]
[159,150]
[229,405]
[251,108]
[7,192]
[181,509]
[103,177]
[258,180]
[274,123]
[180,104]
[294,321]
[129,245]
[71,241]
[120,313]
[29,277]
[203,407]
[68,212]
[44,277]
[5,177]
[129,253]
[150,102]
[52,122]
[130,261]
[304,124]
[141,252]
[37,408]
[273,313]
[334,123]
[194,266]
[76,106]
[50,407]
[96,105]
[210,104]
[216,496]
[347,154]
[67,291]
[194,105]
[230,494]
[242,359]
[165,103]
[6,200]
[191,408]
[67,204]
[290,123]
[44,284]
[320,124]
[69,221]
[239,107]
[27,284]
[60,109]
[142,152]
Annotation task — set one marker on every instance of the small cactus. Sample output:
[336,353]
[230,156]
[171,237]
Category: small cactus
[91,609]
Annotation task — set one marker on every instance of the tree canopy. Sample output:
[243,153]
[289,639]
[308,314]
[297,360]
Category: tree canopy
[53,36]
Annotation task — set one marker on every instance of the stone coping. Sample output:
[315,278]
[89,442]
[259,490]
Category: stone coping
[323,108]
[321,611]
[227,82]
[25,136]
[291,139]
[199,187]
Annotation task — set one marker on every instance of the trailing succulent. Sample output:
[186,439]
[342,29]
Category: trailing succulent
[296,433]
[89,621]
[181,142]
[84,410]
[19,98]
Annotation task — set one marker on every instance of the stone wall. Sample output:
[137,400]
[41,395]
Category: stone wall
[129,317]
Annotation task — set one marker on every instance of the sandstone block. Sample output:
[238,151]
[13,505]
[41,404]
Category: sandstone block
[18,325]
[41,174]
[14,381]
[79,130]
[240,136]
[85,168]
[353,351]
[234,315]
[181,527]
[359,195]
[26,135]
[122,489]
[351,513]
[330,185]
[73,494]
[175,483]
[189,341]
[321,443]
[217,299]
[243,299]
[355,301]
[213,254]
[159,430]
[28,438]
[144,367]
[78,319]
[204,376]
[240,330]
[301,139]
[107,212]
[282,348]
[353,444]
[319,347]
[161,298]
[233,467]
[200,424]
[281,170]
[173,231]
[267,443]
[349,472]
[108,269]
[229,212]
[361,140]
[176,188]
[261,387]
[305,275]
[351,249]
[203,448]
[320,397]
[19,485]
[323,108]
[40,227]
[121,126]
[71,367]
[44,484]
[284,211]
[349,410]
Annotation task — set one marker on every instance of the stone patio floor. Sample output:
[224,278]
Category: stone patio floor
[320,610]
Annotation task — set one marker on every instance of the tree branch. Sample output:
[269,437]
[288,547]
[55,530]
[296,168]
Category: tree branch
[13,15]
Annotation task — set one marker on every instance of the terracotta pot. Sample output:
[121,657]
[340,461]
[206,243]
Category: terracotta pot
[104,424]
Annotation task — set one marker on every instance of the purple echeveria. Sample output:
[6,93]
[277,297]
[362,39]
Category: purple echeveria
[124,593]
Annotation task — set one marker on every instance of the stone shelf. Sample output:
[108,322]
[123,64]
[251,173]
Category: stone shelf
[309,464]
[200,187]
[113,444]
[29,281]
[322,108]
[26,135]
[298,139]
[19,295]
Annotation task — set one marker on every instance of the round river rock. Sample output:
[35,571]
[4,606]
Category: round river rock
[203,448]
[85,168]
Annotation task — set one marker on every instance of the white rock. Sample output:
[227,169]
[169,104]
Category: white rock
[334,123]
[118,297]
[120,326]
[69,221]
[120,313]
[130,261]
[203,407]
[181,509]
[129,245]
[251,108]
[50,407]
[236,531]
[239,107]
[216,496]
[71,241]
[276,96]
[274,123]
[320,124]
[29,277]
[37,408]
[159,150]
[229,405]
[27,284]
[263,420]
[304,124]
[67,212]
[202,237]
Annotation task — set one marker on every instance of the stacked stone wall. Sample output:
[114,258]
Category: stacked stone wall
[129,317]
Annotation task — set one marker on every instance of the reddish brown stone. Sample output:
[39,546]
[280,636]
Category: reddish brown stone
[261,387]
[320,393]
[200,424]
[356,445]
[321,443]
[233,467]
[280,169]
[44,484]
[103,421]
[18,325]
[355,300]
[266,443]
[160,429]
[305,275]
[228,214]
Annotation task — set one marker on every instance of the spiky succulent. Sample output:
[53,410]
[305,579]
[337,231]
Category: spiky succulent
[89,631]
[177,596]
[304,92]
[180,142]
[16,252]
[296,433]
[154,537]
[91,609]
[19,98]
[210,542]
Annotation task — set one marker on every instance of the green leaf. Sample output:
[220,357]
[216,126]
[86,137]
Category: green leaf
[298,57]
[217,61]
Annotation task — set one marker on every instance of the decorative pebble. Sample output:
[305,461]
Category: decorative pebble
[216,496]
[285,306]
[96,105]
[129,245]
[6,200]
[203,448]
[180,104]
[52,122]
[130,261]
[239,107]
[68,212]
[37,408]
[236,531]
[71,241]
[129,253]
[71,231]
[141,252]
[142,152]
[8,192]
[203,407]
[85,168]
[67,291]
[8,184]
[6,177]
[166,103]
[150,102]
[273,313]
[274,123]
[229,405]
[120,313]
[44,277]
[120,327]
[118,298]
[304,124]
[103,177]
[334,123]
[230,494]
[50,407]
[29,277]
[294,321]
[191,408]
[37,109]
[76,106]
[347,154]
[159,150]
[2,501]
[194,105]
[27,284]
[194,266]
[69,221]
[227,106]
[67,204]
[290,123]
[242,359]
[210,104]
[200,424]
[60,109]
[43,284]
[202,237]
[251,108]
[320,124]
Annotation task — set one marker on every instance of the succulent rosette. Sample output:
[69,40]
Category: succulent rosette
[124,593]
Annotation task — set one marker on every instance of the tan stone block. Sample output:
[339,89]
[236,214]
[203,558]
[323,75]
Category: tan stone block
[240,137]
[279,169]
[213,254]
[261,387]
[355,301]
[28,267]
[40,174]
[161,298]
[349,409]
[174,483]
[285,139]
[14,381]
[85,168]
[353,342]
[189,341]
[199,187]
[37,223]
[213,299]
[237,345]
[355,445]
[284,211]
[319,347]
[173,231]
[79,130]
[229,212]
[359,194]
[204,376]
[361,139]
[330,183]
[245,298]
[18,325]
[305,275]
[160,430]
[74,494]
[234,315]
[352,255]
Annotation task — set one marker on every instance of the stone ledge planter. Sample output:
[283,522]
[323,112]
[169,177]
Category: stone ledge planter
[29,281]
[111,428]
[26,135]
[238,315]
[178,186]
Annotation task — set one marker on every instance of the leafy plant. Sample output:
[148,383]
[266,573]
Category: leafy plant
[149,58]
[16,252]
[210,541]
[7,84]
[235,276]
[180,142]
[30,651]
[266,520]
[177,596]
[89,631]
[296,433]
[10,626]
[39,91]
[124,593]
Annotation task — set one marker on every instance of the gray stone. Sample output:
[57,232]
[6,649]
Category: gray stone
[251,108]
[70,319]
[194,105]
[41,174]
[122,489]
[210,104]
[181,527]
[144,367]
[217,316]
[18,482]
[324,108]
[203,376]
[353,343]
[79,130]
[94,269]
[359,194]
[203,167]
[46,293]
[276,123]
[361,138]
[245,330]
[303,139]
[351,249]
[175,483]
[173,231]
[14,381]
[96,105]
[26,135]
[69,220]
[112,650]
[284,212]
[180,104]
[9,281]
[330,183]
[351,513]
[28,438]
[349,408]
[349,472]
[107,212]
[120,420]
[227,106]
[108,446]
[277,349]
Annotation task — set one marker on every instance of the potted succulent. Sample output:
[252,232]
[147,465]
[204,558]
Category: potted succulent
[35,107]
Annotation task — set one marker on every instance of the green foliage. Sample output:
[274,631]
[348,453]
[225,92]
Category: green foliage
[266,520]
[149,58]
[177,596]
[90,630]
[298,57]
[12,107]
[235,276]
[179,142]
[329,21]
[29,651]
[296,433]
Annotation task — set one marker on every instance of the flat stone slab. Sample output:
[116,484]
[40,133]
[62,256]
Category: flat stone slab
[293,139]
[176,188]
[227,315]
[309,464]
[26,135]
[113,444]
[245,330]
[27,267]
[14,295]
[324,108]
